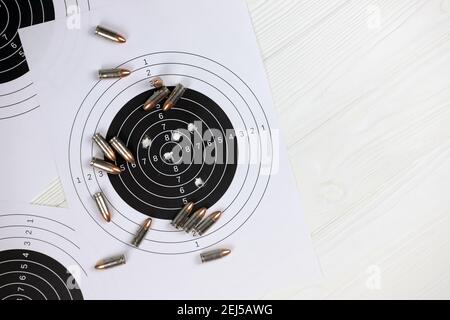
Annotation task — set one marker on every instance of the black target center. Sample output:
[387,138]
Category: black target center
[14,15]
[186,154]
[30,275]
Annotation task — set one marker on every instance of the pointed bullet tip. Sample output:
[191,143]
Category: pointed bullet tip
[125,73]
[217,215]
[167,106]
[148,223]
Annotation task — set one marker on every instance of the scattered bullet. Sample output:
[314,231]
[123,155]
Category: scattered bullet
[109,34]
[102,206]
[110,263]
[214,255]
[207,223]
[194,220]
[122,150]
[176,95]
[156,98]
[183,215]
[113,73]
[157,82]
[104,146]
[105,166]
[142,233]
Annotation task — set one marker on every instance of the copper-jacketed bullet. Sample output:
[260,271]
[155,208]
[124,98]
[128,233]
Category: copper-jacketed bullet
[104,146]
[113,73]
[194,220]
[157,82]
[156,98]
[105,166]
[122,150]
[111,263]
[102,206]
[214,255]
[142,232]
[183,215]
[109,34]
[176,95]
[207,223]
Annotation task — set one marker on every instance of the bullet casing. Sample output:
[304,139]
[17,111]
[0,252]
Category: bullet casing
[156,98]
[113,73]
[214,255]
[142,232]
[109,34]
[105,166]
[102,206]
[111,263]
[194,220]
[182,215]
[176,95]
[122,150]
[207,223]
[107,150]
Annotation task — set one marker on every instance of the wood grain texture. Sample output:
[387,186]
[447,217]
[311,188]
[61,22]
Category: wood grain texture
[362,89]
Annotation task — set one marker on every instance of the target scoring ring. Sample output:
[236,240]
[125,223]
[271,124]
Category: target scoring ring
[207,78]
[30,275]
[17,96]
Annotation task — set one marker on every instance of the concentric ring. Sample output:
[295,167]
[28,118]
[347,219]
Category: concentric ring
[30,275]
[201,75]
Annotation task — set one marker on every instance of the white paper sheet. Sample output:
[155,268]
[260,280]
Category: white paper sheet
[210,47]
[39,254]
[25,149]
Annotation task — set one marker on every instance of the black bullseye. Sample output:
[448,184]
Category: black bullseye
[15,14]
[186,154]
[29,275]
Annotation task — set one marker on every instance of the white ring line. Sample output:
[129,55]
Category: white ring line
[18,49]
[186,195]
[149,151]
[39,264]
[140,167]
[35,275]
[7,15]
[31,10]
[3,71]
[164,161]
[17,30]
[148,115]
[17,295]
[43,11]
[24,284]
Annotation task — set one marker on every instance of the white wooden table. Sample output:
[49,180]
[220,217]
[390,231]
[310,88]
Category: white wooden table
[362,89]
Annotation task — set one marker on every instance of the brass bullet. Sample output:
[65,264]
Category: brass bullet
[194,220]
[176,95]
[105,166]
[156,98]
[109,34]
[111,263]
[142,232]
[207,223]
[214,255]
[157,82]
[183,215]
[102,206]
[122,150]
[104,146]
[113,73]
